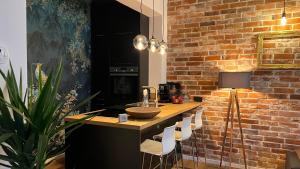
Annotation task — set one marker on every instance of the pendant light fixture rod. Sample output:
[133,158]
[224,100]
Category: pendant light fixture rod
[153,20]
[141,6]
[163,20]
[283,6]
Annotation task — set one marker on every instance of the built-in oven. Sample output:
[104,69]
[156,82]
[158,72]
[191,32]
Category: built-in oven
[124,85]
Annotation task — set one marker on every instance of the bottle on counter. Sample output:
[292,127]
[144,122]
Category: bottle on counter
[145,98]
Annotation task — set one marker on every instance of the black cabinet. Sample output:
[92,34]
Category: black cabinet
[114,26]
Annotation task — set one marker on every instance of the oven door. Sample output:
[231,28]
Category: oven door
[124,88]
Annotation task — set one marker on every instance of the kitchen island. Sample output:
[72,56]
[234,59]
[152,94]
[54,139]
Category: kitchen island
[103,142]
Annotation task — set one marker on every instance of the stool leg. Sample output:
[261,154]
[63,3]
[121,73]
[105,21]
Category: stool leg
[143,161]
[166,161]
[193,154]
[150,162]
[161,162]
[181,155]
[176,159]
[196,139]
[204,144]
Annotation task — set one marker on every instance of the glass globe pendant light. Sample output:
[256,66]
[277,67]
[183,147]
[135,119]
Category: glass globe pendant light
[140,42]
[163,45]
[153,42]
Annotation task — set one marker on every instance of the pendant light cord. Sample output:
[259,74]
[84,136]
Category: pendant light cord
[163,21]
[153,20]
[283,6]
[141,6]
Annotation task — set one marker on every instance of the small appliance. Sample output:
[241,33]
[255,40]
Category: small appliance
[166,91]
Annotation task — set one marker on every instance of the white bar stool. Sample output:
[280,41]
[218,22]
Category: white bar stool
[183,135]
[165,147]
[197,125]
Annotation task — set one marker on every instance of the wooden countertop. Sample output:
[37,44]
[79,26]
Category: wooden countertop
[167,111]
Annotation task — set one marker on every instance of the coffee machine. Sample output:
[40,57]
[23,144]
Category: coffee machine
[166,91]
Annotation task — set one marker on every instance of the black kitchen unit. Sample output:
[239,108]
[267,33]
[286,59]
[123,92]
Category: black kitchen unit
[118,69]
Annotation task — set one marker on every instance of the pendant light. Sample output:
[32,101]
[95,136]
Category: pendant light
[163,45]
[140,42]
[283,17]
[153,42]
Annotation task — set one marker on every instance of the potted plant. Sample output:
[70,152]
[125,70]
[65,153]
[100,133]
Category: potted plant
[29,126]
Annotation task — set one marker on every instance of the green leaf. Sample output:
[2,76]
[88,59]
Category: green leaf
[5,136]
[42,150]
[7,158]
[5,165]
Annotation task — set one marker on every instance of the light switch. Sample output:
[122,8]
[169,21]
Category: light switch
[4,56]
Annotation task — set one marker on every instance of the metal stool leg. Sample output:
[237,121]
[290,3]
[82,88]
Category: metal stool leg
[150,162]
[181,155]
[143,161]
[193,154]
[196,139]
[204,144]
[166,163]
[161,162]
[175,159]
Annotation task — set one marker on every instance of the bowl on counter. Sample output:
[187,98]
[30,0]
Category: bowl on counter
[143,112]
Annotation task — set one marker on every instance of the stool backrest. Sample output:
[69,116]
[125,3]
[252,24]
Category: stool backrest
[186,130]
[168,139]
[198,119]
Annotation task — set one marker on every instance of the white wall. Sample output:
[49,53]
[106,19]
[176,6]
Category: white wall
[157,63]
[13,36]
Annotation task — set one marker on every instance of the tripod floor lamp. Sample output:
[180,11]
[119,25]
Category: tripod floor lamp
[233,80]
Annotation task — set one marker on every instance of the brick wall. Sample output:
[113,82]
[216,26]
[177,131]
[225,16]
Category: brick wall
[281,51]
[208,36]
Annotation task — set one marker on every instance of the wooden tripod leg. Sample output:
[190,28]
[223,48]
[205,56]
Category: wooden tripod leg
[226,127]
[241,130]
[231,132]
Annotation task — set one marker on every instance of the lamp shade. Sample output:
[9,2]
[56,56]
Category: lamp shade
[234,79]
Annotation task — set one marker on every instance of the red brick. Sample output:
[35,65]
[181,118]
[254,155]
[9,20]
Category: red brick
[261,29]
[265,6]
[269,23]
[282,28]
[289,114]
[191,44]
[274,139]
[284,56]
[296,27]
[269,45]
[251,24]
[271,145]
[260,127]
[295,96]
[284,90]
[293,141]
[293,20]
[210,58]
[196,58]
[189,1]
[289,79]
[205,82]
